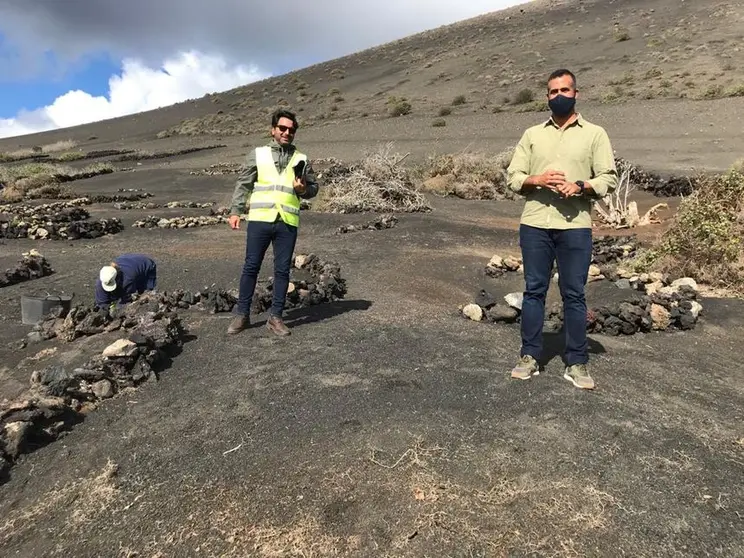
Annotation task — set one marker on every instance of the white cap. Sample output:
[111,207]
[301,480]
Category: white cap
[108,278]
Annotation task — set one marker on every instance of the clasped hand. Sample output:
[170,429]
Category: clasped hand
[556,181]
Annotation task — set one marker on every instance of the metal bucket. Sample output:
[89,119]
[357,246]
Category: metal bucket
[34,308]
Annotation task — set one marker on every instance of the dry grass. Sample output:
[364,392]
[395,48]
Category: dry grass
[56,147]
[468,175]
[490,510]
[71,156]
[304,537]
[75,503]
[493,508]
[380,183]
[42,180]
[30,152]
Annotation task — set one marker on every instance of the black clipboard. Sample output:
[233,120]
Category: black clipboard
[300,170]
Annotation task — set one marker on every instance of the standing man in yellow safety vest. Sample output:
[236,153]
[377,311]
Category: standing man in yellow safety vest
[273,180]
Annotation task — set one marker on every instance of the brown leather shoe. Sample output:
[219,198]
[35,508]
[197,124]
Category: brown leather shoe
[276,325]
[240,323]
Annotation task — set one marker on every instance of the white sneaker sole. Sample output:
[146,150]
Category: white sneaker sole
[535,373]
[570,379]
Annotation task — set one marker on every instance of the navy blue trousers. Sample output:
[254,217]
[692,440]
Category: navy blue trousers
[259,236]
[572,249]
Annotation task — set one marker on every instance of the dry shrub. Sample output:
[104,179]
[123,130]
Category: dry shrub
[704,240]
[524,96]
[379,183]
[71,156]
[620,212]
[36,181]
[11,194]
[53,191]
[63,145]
[398,106]
[37,151]
[39,180]
[471,176]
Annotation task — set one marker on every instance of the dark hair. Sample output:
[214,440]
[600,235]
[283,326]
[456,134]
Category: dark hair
[562,72]
[283,113]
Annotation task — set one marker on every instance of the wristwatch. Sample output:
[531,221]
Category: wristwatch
[580,184]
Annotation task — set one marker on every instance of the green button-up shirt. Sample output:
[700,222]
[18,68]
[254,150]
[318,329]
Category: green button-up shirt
[581,150]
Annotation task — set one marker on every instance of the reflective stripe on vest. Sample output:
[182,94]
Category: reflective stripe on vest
[274,193]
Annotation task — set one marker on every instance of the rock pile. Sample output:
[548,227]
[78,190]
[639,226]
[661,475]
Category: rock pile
[649,283]
[169,205]
[31,266]
[182,222]
[660,186]
[189,204]
[133,195]
[312,281]
[383,222]
[497,265]
[59,397]
[612,249]
[607,252]
[136,205]
[218,169]
[224,211]
[675,308]
[659,312]
[85,320]
[63,222]
[27,211]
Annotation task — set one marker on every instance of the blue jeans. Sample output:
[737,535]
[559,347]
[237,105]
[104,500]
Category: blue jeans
[259,235]
[572,249]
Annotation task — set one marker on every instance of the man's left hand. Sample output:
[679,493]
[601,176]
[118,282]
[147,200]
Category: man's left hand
[299,186]
[568,189]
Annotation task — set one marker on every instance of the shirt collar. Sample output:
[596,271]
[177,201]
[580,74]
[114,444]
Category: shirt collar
[578,122]
[274,145]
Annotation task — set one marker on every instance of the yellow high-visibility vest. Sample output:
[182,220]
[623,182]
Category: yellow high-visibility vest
[274,193]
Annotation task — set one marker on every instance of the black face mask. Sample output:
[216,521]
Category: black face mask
[561,105]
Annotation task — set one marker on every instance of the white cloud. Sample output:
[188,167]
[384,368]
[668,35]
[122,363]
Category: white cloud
[281,36]
[137,88]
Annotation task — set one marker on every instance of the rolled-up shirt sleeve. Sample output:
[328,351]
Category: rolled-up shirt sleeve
[519,168]
[604,172]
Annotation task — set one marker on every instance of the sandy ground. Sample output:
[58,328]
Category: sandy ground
[386,425]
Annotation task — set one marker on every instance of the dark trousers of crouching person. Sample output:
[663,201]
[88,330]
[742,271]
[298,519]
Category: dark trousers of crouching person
[572,250]
[282,237]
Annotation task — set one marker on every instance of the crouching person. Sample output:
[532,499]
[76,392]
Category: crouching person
[126,275]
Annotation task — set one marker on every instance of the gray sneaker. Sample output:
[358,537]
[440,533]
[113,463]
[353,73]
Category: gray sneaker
[578,375]
[525,368]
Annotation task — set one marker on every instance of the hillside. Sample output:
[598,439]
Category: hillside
[624,52]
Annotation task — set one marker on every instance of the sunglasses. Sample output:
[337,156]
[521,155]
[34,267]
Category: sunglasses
[289,129]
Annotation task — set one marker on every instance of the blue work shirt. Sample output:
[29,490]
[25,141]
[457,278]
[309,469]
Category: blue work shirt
[136,273]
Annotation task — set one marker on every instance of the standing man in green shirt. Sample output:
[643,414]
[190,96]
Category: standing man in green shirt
[560,166]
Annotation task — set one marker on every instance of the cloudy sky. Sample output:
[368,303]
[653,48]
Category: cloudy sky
[67,62]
